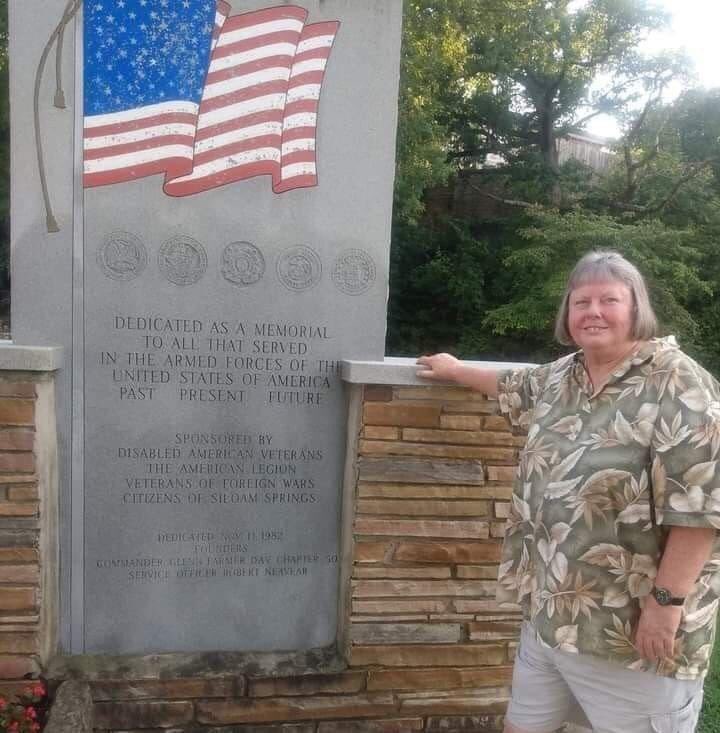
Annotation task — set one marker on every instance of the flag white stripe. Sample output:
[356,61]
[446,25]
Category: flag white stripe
[244,133]
[245,57]
[302,67]
[306,91]
[296,145]
[245,80]
[298,169]
[133,115]
[302,119]
[310,44]
[135,136]
[228,162]
[248,107]
[219,23]
[129,160]
[260,29]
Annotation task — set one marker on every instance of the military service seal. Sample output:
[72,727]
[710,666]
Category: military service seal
[182,260]
[299,268]
[242,264]
[122,256]
[353,272]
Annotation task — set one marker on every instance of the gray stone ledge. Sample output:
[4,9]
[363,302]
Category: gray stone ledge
[401,371]
[201,665]
[15,358]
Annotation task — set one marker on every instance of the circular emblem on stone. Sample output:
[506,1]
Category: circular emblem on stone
[353,272]
[299,268]
[182,260]
[122,256]
[242,264]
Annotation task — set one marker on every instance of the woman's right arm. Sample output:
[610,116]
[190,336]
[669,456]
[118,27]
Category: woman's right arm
[446,368]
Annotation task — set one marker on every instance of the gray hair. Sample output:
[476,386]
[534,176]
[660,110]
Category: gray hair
[607,265]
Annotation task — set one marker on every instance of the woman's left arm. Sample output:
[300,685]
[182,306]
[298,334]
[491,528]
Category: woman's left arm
[686,551]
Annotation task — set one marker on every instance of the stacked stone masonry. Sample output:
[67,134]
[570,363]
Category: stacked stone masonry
[20,646]
[428,648]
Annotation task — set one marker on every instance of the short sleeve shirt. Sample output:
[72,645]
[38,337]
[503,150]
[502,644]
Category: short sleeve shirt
[600,481]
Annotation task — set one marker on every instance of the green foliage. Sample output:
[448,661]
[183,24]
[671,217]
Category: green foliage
[710,717]
[434,66]
[554,243]
[443,284]
[509,78]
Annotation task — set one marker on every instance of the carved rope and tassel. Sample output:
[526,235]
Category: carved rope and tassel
[57,37]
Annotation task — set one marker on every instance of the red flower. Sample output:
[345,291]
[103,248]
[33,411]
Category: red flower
[35,727]
[30,713]
[14,727]
[38,689]
[3,703]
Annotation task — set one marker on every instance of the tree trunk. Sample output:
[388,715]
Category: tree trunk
[549,150]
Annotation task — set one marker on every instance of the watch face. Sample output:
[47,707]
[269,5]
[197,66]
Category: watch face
[662,596]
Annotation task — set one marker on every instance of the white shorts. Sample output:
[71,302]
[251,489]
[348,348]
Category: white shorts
[548,686]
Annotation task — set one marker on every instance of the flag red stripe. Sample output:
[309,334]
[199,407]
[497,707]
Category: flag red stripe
[298,133]
[324,28]
[230,175]
[298,156]
[223,7]
[140,124]
[309,77]
[238,123]
[302,105]
[250,44]
[313,53]
[265,16]
[241,146]
[243,95]
[288,184]
[248,68]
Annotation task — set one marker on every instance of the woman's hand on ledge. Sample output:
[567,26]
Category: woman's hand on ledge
[439,367]
[446,368]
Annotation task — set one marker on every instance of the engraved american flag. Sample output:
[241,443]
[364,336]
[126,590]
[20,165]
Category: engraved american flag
[182,87]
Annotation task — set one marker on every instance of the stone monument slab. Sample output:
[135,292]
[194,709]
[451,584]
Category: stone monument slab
[202,219]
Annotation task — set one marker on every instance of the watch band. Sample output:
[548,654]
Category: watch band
[665,598]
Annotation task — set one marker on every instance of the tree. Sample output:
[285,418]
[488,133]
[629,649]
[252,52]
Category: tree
[435,56]
[547,60]
[530,74]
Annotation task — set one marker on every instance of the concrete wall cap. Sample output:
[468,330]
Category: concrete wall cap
[16,358]
[401,370]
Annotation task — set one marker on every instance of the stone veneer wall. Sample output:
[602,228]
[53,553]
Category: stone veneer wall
[428,648]
[28,553]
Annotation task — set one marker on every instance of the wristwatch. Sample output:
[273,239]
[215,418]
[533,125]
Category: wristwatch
[665,598]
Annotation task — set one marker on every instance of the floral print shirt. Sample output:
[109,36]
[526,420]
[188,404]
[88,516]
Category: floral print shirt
[601,479]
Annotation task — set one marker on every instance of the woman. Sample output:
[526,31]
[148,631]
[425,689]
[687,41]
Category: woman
[609,546]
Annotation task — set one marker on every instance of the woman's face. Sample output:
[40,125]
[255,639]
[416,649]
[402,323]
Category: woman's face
[600,316]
